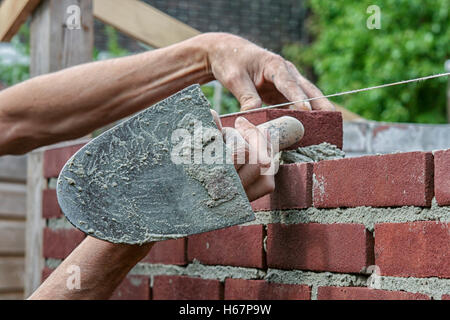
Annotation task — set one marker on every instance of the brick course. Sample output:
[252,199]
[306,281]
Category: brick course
[186,288]
[442,177]
[55,159]
[346,248]
[415,249]
[58,244]
[133,288]
[293,189]
[235,246]
[239,289]
[393,180]
[357,293]
[168,252]
[320,126]
[50,206]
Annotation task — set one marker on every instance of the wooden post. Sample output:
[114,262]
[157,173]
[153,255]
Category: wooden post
[54,46]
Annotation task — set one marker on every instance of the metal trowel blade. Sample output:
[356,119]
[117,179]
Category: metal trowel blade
[125,186]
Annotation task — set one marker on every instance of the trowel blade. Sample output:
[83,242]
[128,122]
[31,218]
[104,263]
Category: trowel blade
[125,187]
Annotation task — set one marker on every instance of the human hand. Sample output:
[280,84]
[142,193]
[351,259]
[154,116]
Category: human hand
[252,154]
[255,75]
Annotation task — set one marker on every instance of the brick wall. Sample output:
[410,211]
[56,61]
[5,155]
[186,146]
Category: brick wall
[375,227]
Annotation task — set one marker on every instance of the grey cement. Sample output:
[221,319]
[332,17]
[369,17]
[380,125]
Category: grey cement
[199,270]
[52,263]
[367,216]
[124,187]
[433,287]
[314,153]
[52,182]
[315,279]
[59,223]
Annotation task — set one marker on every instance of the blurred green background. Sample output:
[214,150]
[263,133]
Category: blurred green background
[343,54]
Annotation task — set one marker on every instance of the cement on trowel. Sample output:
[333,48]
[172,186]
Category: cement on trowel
[123,187]
[314,153]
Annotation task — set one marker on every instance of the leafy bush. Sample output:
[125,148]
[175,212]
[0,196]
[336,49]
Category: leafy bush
[414,41]
[11,74]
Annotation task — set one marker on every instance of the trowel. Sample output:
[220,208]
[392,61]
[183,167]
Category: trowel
[162,174]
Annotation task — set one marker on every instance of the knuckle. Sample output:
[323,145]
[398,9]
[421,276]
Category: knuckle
[248,98]
[290,65]
[232,77]
[270,185]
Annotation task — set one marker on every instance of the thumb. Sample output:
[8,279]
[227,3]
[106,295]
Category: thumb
[244,90]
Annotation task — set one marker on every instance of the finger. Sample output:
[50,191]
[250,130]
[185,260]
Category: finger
[238,146]
[283,132]
[312,91]
[243,88]
[257,141]
[216,119]
[277,71]
[262,186]
[249,173]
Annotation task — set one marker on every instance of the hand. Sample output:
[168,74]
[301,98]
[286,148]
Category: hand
[252,156]
[255,75]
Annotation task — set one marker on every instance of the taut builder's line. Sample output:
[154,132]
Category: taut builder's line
[347,92]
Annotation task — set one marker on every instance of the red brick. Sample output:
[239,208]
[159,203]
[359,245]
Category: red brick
[357,293]
[58,244]
[46,272]
[392,180]
[239,289]
[442,177]
[293,189]
[168,252]
[186,288]
[319,247]
[446,297]
[414,249]
[235,246]
[320,126]
[133,288]
[55,159]
[50,206]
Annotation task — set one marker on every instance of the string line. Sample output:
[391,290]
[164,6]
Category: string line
[347,92]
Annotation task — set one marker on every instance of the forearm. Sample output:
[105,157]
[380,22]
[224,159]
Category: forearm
[102,267]
[74,102]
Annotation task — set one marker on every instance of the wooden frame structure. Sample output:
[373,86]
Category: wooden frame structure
[132,17]
[53,47]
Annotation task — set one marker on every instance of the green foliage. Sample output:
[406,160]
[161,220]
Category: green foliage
[413,41]
[228,104]
[12,74]
[114,47]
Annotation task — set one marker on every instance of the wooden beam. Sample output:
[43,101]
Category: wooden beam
[142,22]
[13,169]
[53,47]
[13,13]
[35,223]
[11,274]
[12,238]
[132,17]
[12,201]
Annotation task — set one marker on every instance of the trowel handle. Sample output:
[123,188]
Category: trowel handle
[287,130]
